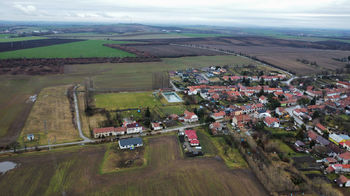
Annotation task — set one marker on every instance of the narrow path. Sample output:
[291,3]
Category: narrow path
[174,86]
[77,116]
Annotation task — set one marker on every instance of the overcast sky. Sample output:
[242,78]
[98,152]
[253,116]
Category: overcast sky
[279,13]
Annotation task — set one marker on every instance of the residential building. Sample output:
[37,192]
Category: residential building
[272,122]
[133,128]
[130,143]
[190,117]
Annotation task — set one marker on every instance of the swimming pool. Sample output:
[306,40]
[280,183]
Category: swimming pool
[172,97]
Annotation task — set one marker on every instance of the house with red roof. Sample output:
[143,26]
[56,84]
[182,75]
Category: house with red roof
[133,128]
[194,142]
[263,99]
[241,119]
[343,84]
[215,127]
[156,126]
[108,131]
[320,128]
[344,157]
[272,122]
[190,117]
[191,135]
[218,115]
[343,181]
[346,145]
[312,135]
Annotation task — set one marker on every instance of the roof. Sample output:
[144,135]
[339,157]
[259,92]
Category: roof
[299,143]
[103,130]
[322,140]
[132,125]
[330,169]
[218,114]
[191,134]
[194,141]
[155,124]
[342,179]
[345,156]
[312,135]
[331,160]
[130,141]
[119,129]
[216,125]
[335,137]
[188,115]
[318,125]
[270,120]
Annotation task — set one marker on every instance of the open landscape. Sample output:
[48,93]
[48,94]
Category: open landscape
[175,98]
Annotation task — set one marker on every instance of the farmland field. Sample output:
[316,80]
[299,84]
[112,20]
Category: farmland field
[284,53]
[112,101]
[50,118]
[75,172]
[89,48]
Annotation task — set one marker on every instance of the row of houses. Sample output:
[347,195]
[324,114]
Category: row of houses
[127,128]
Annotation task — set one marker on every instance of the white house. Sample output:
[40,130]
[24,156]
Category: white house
[263,99]
[218,115]
[190,117]
[156,126]
[272,122]
[133,128]
[130,143]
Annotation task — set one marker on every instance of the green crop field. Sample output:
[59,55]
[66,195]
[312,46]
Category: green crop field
[112,101]
[89,48]
[7,38]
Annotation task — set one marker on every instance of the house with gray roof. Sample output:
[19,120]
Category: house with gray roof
[130,143]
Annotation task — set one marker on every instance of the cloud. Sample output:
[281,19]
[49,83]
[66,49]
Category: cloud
[27,9]
[294,13]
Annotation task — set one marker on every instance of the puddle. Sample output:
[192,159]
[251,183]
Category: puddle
[6,166]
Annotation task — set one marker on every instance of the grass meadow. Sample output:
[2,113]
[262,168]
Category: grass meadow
[112,101]
[50,111]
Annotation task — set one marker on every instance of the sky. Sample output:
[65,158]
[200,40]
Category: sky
[266,13]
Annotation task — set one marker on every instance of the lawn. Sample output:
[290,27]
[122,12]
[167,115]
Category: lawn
[112,101]
[88,48]
[217,146]
[16,39]
[167,110]
[286,149]
[117,160]
[50,119]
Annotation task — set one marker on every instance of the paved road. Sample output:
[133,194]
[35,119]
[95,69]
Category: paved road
[86,141]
